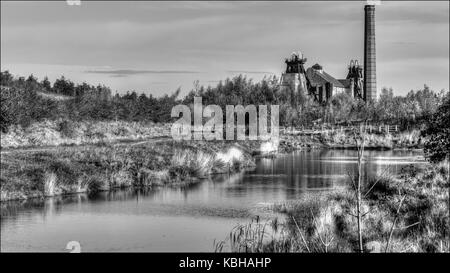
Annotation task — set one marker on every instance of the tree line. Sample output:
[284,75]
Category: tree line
[26,100]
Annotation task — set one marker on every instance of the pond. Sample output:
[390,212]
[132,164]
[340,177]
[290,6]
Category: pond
[188,218]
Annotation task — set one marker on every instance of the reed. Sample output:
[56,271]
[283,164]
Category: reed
[49,183]
[64,170]
[404,213]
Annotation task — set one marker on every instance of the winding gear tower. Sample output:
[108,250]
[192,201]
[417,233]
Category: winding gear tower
[294,79]
[355,75]
[370,75]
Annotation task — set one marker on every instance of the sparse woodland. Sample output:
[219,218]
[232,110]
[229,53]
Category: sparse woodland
[28,100]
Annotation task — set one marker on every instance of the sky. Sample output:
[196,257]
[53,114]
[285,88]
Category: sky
[157,47]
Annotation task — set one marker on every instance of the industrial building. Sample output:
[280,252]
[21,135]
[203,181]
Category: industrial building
[314,81]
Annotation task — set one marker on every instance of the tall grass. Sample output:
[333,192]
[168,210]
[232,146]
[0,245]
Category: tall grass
[49,184]
[187,163]
[256,237]
[405,213]
[95,168]
[408,138]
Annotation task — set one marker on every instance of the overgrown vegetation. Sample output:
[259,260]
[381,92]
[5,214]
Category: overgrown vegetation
[26,101]
[437,147]
[26,174]
[407,213]
[65,132]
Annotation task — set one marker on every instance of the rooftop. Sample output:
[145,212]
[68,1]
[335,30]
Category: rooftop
[318,77]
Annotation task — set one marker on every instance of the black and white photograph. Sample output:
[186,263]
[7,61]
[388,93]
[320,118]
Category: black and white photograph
[225,127]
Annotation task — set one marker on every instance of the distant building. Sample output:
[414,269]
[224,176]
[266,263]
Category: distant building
[359,83]
[317,83]
[294,78]
[354,80]
[322,85]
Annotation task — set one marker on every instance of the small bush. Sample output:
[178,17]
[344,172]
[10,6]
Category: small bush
[67,128]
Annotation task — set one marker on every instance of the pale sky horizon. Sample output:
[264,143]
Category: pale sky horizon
[156,47]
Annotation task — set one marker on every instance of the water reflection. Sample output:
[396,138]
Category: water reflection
[187,218]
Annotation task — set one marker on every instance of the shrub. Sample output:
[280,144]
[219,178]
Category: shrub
[67,128]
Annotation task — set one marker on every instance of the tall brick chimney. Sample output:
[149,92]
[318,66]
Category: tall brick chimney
[370,71]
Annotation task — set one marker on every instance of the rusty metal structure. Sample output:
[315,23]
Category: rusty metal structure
[355,75]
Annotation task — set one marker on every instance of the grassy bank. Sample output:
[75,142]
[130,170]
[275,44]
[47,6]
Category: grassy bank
[90,168]
[63,132]
[406,213]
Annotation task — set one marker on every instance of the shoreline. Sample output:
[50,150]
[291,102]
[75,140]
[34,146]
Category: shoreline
[156,178]
[135,159]
[42,173]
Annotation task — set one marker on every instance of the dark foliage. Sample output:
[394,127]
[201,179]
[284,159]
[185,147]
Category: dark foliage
[437,147]
[27,100]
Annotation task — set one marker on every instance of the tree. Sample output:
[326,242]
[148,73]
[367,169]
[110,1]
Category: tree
[6,78]
[46,85]
[437,147]
[64,87]
[5,118]
[340,106]
[385,104]
[82,89]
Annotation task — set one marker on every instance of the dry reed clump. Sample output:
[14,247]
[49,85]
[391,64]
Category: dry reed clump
[409,138]
[339,137]
[189,163]
[121,179]
[82,184]
[248,238]
[199,161]
[50,183]
[257,237]
[383,140]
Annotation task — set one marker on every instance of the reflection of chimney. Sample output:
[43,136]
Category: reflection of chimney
[370,74]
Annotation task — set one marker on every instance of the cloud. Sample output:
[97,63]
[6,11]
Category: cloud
[130,72]
[73,2]
[248,72]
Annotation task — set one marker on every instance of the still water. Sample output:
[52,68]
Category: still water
[183,219]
